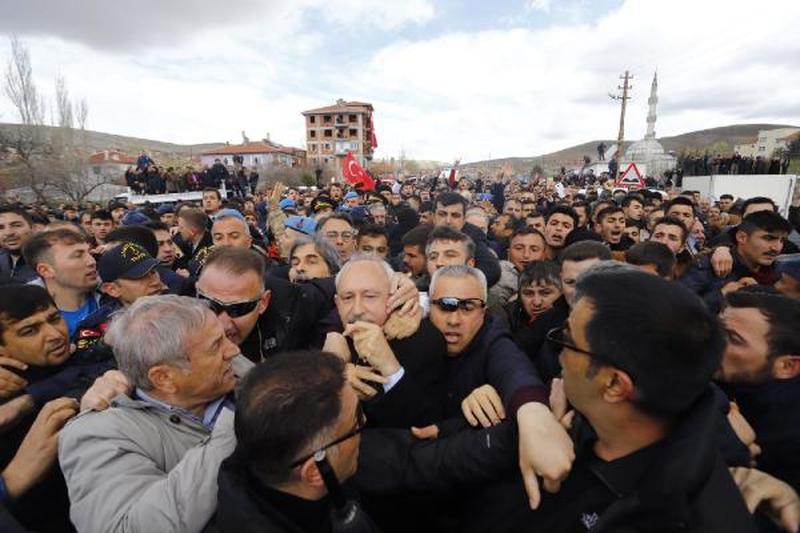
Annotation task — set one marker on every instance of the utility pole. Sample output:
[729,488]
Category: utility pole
[624,98]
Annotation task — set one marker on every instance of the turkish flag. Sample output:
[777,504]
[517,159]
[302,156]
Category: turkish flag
[355,175]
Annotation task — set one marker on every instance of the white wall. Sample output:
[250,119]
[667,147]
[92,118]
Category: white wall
[779,187]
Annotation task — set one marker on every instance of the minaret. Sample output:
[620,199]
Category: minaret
[651,113]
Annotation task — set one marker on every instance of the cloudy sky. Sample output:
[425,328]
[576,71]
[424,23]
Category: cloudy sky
[448,79]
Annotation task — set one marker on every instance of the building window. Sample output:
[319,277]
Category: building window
[339,119]
[327,147]
[352,118]
[353,132]
[328,133]
[326,119]
[312,134]
[255,160]
[312,119]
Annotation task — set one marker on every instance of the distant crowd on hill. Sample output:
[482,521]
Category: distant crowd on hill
[706,164]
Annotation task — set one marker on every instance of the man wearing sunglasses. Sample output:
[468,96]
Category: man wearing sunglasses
[482,352]
[297,440]
[265,315]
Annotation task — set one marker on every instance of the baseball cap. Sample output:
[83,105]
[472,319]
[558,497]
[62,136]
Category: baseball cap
[287,203]
[302,224]
[163,209]
[135,218]
[351,195]
[126,261]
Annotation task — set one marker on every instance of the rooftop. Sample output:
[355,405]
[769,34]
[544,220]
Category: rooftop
[342,107]
[252,148]
[112,156]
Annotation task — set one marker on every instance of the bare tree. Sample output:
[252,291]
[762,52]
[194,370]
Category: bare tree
[20,87]
[50,161]
[82,113]
[63,104]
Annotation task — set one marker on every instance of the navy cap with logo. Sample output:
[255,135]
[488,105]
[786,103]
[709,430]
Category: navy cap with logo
[126,261]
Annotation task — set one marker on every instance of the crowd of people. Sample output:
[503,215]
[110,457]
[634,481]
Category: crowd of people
[149,178]
[486,355]
[706,164]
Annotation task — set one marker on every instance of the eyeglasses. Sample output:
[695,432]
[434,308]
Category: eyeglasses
[361,420]
[451,304]
[346,235]
[556,339]
[232,309]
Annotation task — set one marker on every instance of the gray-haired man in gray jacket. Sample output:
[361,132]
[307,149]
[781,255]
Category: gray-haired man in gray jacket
[150,461]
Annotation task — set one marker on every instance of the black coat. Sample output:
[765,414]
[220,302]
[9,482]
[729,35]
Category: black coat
[492,358]
[418,398]
[685,486]
[11,272]
[530,336]
[189,252]
[290,319]
[244,505]
[771,408]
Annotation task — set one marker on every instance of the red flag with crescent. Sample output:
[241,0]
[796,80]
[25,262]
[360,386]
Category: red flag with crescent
[355,174]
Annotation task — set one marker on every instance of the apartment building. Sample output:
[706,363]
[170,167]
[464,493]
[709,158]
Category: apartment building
[334,130]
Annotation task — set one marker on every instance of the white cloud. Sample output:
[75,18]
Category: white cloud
[510,92]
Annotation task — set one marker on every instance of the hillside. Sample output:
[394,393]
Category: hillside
[132,145]
[719,139]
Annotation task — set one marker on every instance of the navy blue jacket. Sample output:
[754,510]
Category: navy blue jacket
[493,358]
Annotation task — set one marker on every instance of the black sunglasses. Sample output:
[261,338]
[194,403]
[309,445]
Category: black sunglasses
[451,304]
[233,310]
[361,419]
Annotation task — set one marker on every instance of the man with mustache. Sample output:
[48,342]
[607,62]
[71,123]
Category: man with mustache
[39,367]
[759,240]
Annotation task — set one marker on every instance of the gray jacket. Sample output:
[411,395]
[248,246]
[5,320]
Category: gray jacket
[506,287]
[136,467]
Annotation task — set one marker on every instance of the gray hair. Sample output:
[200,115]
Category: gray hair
[361,258]
[459,271]
[154,330]
[604,267]
[225,216]
[323,247]
[479,211]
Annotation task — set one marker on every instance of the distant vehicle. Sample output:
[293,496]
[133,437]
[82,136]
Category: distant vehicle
[171,197]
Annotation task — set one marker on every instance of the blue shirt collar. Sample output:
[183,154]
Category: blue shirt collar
[210,413]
